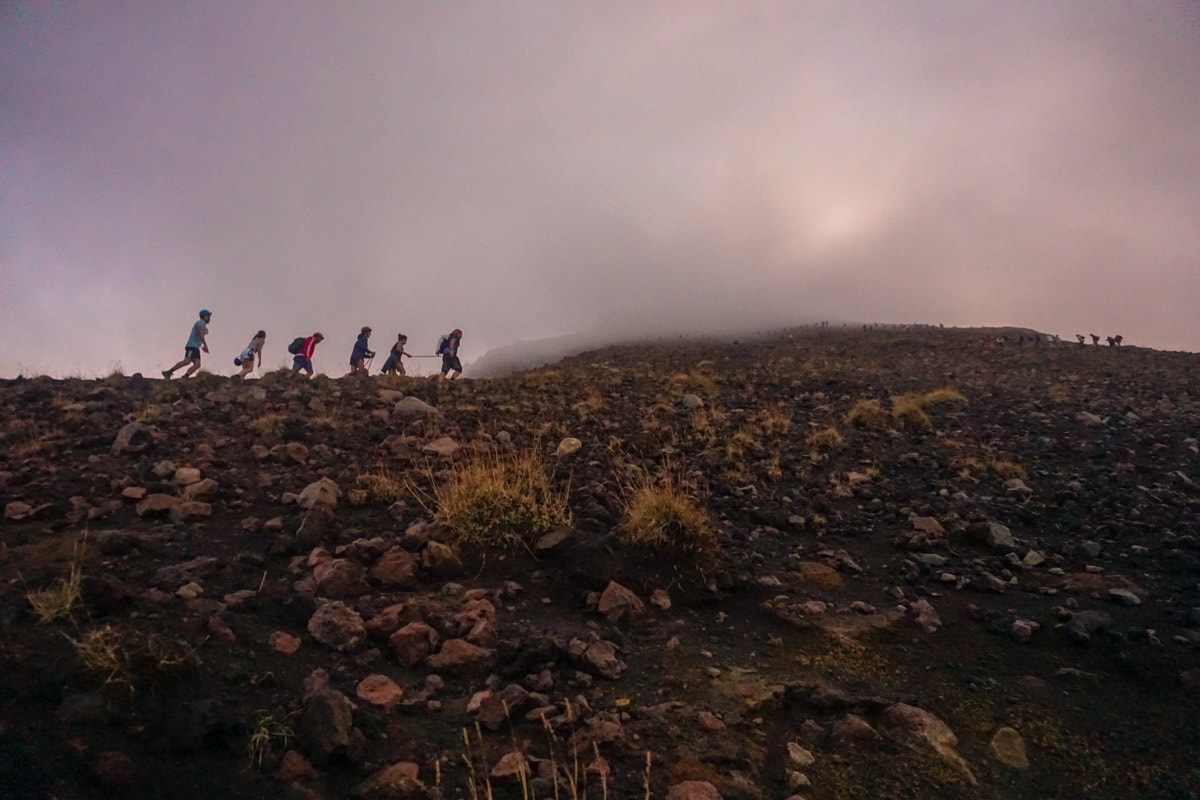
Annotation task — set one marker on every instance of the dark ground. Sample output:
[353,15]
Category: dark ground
[1088,456]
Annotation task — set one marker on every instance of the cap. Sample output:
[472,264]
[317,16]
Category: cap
[204,312]
[366,329]
[318,335]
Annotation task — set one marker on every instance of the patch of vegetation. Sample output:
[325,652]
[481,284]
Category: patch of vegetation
[908,410]
[270,422]
[270,730]
[826,439]
[131,658]
[866,414]
[382,486]
[57,601]
[590,405]
[775,421]
[699,380]
[661,518]
[503,501]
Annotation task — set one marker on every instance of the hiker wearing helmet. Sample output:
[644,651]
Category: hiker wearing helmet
[303,359]
[361,352]
[195,343]
[394,365]
[448,350]
[246,359]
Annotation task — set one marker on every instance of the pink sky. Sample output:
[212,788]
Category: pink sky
[529,169]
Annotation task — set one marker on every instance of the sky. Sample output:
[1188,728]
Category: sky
[527,169]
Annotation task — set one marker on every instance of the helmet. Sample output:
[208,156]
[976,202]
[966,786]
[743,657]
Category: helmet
[366,329]
[204,312]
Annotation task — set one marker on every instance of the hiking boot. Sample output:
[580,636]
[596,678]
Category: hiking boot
[166,373]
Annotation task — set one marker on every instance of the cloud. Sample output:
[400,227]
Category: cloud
[532,169]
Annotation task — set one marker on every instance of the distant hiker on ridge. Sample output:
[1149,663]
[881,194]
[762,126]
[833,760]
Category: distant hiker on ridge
[1095,340]
[394,365]
[448,350]
[195,343]
[361,352]
[1118,339]
[246,359]
[1079,337]
[304,352]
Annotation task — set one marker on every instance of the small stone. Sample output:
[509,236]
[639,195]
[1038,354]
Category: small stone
[1022,630]
[444,447]
[338,626]
[379,690]
[1008,747]
[413,406]
[660,600]
[1124,597]
[568,446]
[616,602]
[186,476]
[800,757]
[284,643]
[693,790]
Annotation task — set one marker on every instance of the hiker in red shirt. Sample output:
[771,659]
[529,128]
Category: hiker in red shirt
[303,359]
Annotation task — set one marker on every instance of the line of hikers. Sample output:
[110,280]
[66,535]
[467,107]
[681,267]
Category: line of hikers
[302,349]
[1113,341]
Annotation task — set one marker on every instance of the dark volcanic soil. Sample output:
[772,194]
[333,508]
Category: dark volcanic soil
[899,606]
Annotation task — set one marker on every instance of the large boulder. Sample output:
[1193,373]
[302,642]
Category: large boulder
[326,726]
[413,642]
[413,406]
[921,727]
[395,569]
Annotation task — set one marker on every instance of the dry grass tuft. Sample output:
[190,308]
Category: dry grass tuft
[504,501]
[826,439]
[382,486]
[944,395]
[699,380]
[57,601]
[775,421]
[909,411]
[269,730]
[590,406]
[866,414]
[661,518]
[130,658]
[268,422]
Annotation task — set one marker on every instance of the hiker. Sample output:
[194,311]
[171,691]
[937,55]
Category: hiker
[304,354]
[246,359]
[448,350]
[1118,339]
[1111,342]
[361,351]
[1079,337]
[1095,340]
[394,365]
[191,351]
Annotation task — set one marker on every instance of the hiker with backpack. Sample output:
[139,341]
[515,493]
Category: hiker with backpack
[303,350]
[246,359]
[394,365]
[448,349]
[197,341]
[361,352]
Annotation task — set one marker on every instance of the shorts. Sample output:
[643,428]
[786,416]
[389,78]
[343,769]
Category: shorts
[192,354]
[449,363]
[302,362]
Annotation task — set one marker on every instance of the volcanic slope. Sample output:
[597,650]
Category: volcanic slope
[825,563]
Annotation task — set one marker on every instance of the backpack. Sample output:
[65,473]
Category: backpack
[296,346]
[443,345]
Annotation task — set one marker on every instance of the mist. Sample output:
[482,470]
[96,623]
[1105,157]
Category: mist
[525,170]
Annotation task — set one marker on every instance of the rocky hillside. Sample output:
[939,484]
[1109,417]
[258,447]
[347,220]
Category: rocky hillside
[828,564]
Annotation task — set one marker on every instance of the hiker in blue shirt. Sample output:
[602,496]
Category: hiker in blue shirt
[361,352]
[195,343]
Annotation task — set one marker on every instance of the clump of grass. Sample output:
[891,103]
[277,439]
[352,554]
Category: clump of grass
[698,380]
[866,414]
[130,658]
[909,411]
[382,486]
[943,395]
[268,422]
[826,439]
[737,444]
[57,601]
[1007,468]
[269,730]
[775,421]
[501,500]
[590,405]
[662,519]
[330,420]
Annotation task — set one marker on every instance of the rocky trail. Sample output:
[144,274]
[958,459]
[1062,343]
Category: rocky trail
[932,566]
